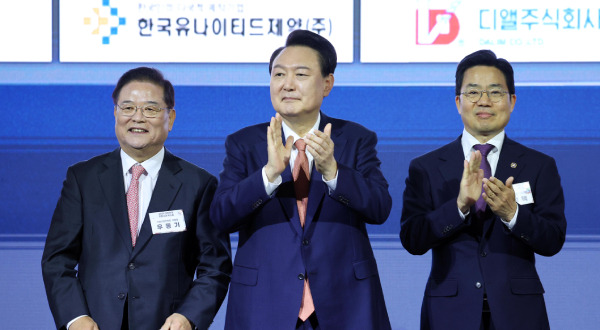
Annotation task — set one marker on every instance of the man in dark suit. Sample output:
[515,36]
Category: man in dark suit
[130,246]
[304,260]
[485,205]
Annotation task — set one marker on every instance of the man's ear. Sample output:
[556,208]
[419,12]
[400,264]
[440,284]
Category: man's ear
[328,84]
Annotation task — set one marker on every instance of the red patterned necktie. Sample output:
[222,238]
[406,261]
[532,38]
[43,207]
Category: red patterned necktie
[301,176]
[133,207]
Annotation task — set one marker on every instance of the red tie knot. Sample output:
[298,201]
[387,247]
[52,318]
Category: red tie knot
[300,144]
[136,171]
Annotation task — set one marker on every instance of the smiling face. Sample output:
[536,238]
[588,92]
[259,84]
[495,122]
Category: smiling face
[484,119]
[141,137]
[297,84]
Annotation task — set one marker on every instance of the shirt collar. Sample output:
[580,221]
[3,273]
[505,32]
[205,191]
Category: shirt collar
[151,165]
[468,141]
[287,131]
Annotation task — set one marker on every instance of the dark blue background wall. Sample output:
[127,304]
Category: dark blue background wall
[46,128]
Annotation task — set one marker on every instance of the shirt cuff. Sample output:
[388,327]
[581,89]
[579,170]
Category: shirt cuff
[73,320]
[510,224]
[270,187]
[331,184]
[463,215]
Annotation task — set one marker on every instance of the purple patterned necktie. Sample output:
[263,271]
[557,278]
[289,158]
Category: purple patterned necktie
[487,172]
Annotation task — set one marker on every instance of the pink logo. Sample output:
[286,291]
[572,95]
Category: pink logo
[436,27]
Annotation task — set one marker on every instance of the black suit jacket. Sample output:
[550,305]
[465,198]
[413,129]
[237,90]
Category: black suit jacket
[468,261]
[90,231]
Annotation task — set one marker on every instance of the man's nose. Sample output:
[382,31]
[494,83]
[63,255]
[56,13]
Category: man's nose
[484,99]
[289,83]
[138,115]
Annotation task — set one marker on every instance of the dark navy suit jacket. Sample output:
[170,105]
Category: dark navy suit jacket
[90,230]
[275,253]
[467,261]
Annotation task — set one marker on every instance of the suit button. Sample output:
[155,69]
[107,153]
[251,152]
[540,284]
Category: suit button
[121,296]
[478,285]
[483,253]
[131,266]
[343,200]
[305,242]
[301,276]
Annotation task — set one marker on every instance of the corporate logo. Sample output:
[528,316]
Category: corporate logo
[104,22]
[436,27]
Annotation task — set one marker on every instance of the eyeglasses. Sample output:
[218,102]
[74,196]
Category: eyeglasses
[474,95]
[148,110]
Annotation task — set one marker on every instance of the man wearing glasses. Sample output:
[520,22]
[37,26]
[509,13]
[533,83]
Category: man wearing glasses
[131,245]
[484,205]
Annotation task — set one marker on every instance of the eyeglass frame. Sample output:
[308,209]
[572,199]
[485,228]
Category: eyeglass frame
[141,107]
[481,95]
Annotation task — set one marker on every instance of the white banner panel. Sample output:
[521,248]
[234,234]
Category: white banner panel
[224,31]
[448,30]
[26,31]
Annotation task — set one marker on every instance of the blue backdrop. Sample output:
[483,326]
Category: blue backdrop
[47,128]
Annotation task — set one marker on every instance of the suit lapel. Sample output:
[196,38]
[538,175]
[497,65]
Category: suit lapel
[318,189]
[451,165]
[113,187]
[339,142]
[162,198]
[287,199]
[316,192]
[509,160]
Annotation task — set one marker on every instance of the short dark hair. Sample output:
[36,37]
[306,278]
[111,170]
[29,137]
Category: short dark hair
[326,51]
[150,75]
[486,58]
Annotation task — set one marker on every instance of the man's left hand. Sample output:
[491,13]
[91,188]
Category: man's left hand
[320,147]
[500,197]
[176,322]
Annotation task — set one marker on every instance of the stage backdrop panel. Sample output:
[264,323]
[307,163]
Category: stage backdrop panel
[48,128]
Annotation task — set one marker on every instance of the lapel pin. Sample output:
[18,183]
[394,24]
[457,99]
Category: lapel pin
[513,165]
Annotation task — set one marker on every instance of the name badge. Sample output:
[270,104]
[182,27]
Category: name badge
[523,193]
[167,222]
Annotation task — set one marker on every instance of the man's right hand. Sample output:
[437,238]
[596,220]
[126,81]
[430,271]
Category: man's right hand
[84,323]
[470,184]
[279,155]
